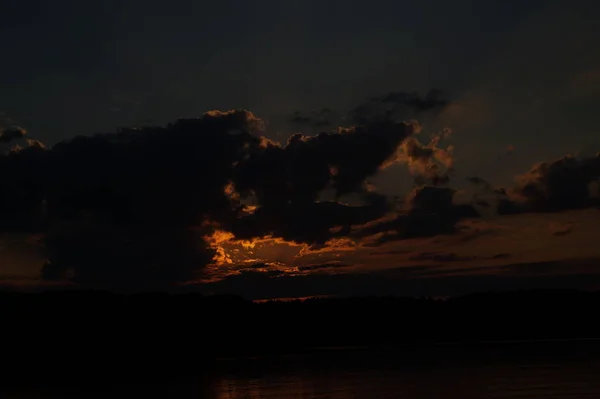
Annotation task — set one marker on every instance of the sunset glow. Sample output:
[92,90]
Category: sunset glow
[421,169]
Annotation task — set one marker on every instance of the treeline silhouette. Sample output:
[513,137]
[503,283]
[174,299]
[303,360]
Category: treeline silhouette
[99,333]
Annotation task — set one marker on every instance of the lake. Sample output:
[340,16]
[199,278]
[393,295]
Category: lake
[526,370]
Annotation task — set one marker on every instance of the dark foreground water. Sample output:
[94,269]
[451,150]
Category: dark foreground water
[540,371]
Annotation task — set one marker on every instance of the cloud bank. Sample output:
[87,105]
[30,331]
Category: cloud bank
[145,208]
[140,207]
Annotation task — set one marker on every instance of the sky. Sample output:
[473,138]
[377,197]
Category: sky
[458,151]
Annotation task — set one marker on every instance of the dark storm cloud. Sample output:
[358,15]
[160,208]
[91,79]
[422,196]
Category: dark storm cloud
[390,252]
[108,256]
[481,202]
[560,185]
[478,181]
[431,101]
[398,104]
[132,208]
[22,180]
[440,257]
[299,171]
[431,211]
[488,193]
[312,223]
[127,208]
[429,163]
[416,281]
[324,266]
[287,182]
[316,119]
[11,134]
[561,229]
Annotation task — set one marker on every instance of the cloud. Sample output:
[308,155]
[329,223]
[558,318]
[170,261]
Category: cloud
[287,181]
[14,138]
[429,163]
[8,135]
[316,119]
[560,229]
[415,281]
[312,223]
[390,252]
[560,185]
[103,255]
[324,266]
[431,101]
[300,170]
[430,211]
[143,208]
[478,181]
[440,257]
[22,178]
[399,104]
[128,208]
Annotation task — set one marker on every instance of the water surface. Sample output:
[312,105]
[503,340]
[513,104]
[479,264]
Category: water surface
[536,371]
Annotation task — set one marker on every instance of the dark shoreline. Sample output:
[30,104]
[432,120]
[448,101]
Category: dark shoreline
[411,348]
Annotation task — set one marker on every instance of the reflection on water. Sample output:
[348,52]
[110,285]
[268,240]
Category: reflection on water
[550,381]
[527,371]
[568,377]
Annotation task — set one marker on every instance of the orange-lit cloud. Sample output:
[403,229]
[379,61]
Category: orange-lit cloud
[427,162]
[230,250]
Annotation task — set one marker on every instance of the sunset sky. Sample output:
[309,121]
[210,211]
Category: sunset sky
[457,154]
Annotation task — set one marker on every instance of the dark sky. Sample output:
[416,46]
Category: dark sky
[522,79]
[72,68]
